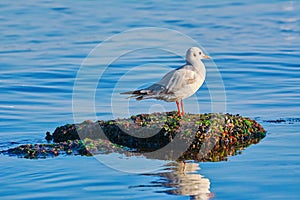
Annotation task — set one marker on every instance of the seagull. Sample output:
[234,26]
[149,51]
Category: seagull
[177,84]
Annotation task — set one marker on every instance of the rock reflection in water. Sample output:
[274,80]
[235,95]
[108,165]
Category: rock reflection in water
[183,179]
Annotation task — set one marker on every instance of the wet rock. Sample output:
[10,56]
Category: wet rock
[276,121]
[201,137]
[65,133]
[48,137]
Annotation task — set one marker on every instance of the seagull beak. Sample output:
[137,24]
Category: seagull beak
[206,57]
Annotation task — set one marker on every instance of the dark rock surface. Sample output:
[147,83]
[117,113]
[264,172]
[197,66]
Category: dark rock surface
[201,137]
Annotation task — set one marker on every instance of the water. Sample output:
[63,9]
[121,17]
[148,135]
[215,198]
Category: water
[254,44]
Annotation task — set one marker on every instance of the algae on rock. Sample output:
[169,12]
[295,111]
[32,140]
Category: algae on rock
[200,137]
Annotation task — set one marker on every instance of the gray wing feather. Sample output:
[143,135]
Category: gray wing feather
[177,78]
[169,84]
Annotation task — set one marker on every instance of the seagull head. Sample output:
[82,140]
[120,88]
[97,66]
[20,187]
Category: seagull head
[194,55]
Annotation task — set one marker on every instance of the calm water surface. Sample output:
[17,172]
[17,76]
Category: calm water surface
[254,44]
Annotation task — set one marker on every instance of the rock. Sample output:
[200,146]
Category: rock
[48,137]
[275,121]
[201,137]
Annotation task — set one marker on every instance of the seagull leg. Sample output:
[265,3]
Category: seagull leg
[178,108]
[182,109]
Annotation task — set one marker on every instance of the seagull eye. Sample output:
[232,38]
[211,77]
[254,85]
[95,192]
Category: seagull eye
[199,52]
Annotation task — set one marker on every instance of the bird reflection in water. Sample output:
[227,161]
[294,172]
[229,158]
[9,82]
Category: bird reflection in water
[182,179]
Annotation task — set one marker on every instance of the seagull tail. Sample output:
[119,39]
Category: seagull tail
[132,92]
[138,94]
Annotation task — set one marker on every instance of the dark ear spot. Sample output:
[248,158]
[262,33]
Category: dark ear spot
[194,54]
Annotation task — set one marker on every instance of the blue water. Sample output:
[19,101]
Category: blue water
[254,45]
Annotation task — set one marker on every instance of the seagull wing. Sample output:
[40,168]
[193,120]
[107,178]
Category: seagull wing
[178,79]
[172,82]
